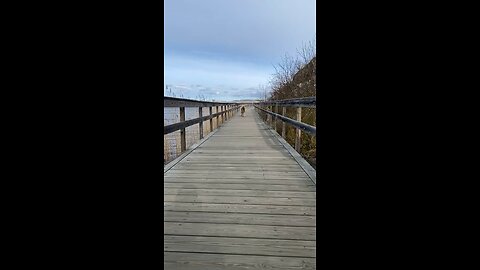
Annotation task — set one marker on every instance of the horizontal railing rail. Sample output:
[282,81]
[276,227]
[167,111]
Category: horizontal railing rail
[181,125]
[227,110]
[308,102]
[299,103]
[305,127]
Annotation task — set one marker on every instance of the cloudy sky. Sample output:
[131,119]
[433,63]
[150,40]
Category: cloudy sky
[225,49]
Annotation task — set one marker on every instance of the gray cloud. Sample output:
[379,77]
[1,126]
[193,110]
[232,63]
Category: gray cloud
[221,49]
[255,29]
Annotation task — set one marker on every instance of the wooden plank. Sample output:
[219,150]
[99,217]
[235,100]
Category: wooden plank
[239,165]
[243,175]
[239,246]
[244,193]
[246,162]
[234,173]
[237,218]
[266,152]
[272,160]
[259,168]
[198,261]
[240,208]
[271,157]
[303,187]
[239,200]
[240,230]
[206,180]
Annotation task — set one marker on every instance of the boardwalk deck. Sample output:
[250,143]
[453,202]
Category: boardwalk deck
[239,200]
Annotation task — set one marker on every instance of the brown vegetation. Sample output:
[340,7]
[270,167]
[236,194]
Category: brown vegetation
[295,78]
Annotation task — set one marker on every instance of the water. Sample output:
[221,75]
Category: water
[171,147]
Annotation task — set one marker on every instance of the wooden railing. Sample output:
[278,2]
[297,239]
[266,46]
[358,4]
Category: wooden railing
[268,108]
[227,110]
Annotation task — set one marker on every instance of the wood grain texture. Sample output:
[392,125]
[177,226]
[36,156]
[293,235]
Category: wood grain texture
[205,180]
[240,246]
[237,218]
[196,261]
[240,208]
[229,186]
[189,191]
[239,200]
[199,199]
[240,230]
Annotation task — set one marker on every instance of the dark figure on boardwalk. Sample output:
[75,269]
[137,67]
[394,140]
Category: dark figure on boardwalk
[242,110]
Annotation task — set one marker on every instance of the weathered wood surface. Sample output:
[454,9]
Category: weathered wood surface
[239,201]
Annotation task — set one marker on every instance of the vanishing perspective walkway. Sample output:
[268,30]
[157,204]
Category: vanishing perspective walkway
[239,200]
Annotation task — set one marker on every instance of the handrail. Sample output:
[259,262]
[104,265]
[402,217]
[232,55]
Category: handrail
[305,127]
[308,102]
[181,125]
[227,110]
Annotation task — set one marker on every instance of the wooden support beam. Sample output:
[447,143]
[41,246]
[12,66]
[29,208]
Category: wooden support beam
[270,108]
[218,117]
[211,120]
[275,121]
[200,125]
[266,115]
[298,131]
[183,141]
[284,111]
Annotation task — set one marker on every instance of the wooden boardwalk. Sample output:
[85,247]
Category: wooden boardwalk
[239,200]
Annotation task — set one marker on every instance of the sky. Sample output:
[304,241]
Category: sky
[224,50]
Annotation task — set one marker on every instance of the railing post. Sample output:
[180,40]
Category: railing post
[221,111]
[270,119]
[211,120]
[218,116]
[266,114]
[276,111]
[284,111]
[298,131]
[200,125]
[183,141]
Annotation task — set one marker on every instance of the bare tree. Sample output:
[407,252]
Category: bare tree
[263,89]
[308,51]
